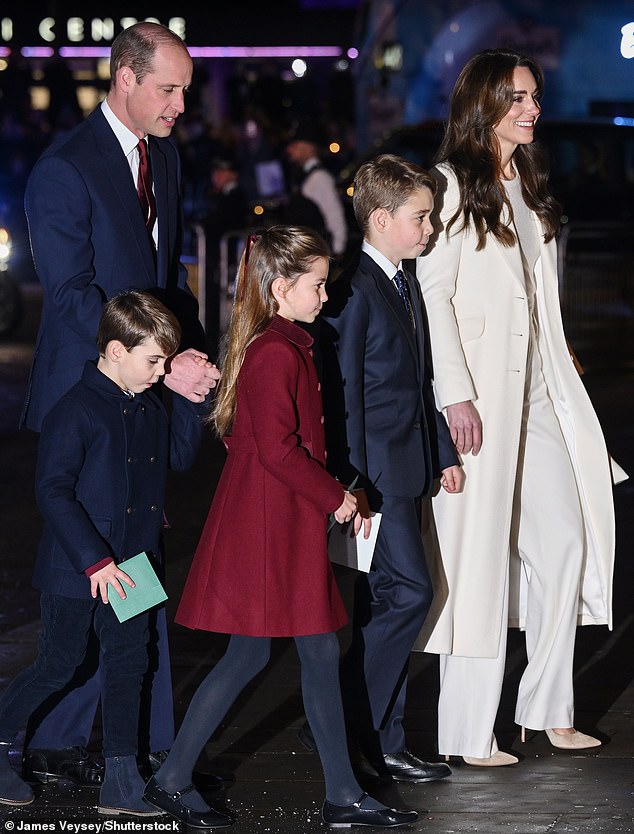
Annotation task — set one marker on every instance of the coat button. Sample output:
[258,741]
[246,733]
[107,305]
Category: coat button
[319,386]
[153,459]
[321,419]
[416,425]
[130,510]
[153,508]
[125,411]
[142,408]
[130,460]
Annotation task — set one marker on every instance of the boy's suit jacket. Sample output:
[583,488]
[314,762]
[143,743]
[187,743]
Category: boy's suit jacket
[381,419]
[89,242]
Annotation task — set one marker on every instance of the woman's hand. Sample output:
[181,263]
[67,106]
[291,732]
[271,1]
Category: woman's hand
[465,427]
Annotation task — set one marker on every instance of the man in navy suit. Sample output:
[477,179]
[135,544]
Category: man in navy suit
[91,239]
[377,385]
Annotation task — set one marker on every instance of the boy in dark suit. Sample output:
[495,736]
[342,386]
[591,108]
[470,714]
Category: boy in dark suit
[377,384]
[104,451]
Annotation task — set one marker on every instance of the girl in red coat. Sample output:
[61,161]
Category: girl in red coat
[261,568]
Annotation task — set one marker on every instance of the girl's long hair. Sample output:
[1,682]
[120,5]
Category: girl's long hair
[286,251]
[482,96]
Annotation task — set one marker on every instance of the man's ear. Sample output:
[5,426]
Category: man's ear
[125,77]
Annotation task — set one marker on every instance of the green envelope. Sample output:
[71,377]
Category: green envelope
[147,592]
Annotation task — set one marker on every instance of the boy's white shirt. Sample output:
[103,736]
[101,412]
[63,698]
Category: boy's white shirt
[379,258]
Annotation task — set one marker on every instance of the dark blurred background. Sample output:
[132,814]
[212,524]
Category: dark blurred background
[371,76]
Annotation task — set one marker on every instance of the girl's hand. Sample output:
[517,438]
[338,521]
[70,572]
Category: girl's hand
[347,510]
[452,479]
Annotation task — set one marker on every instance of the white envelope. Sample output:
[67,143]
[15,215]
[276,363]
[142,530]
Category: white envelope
[353,552]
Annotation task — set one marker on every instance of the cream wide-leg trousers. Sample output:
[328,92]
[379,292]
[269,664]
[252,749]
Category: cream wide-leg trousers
[547,532]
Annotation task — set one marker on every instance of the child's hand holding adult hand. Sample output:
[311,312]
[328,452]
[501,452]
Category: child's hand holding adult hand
[109,575]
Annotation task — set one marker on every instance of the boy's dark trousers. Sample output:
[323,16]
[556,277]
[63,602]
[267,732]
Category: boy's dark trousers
[390,606]
[66,628]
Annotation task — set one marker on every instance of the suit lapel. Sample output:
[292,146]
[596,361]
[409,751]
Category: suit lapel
[159,176]
[121,181]
[393,300]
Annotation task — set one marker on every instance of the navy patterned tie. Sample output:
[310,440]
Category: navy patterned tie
[403,291]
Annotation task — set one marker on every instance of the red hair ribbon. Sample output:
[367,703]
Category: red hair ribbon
[242,273]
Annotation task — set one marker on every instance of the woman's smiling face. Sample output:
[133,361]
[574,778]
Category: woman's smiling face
[517,127]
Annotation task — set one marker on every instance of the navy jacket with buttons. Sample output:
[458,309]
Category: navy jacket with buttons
[101,474]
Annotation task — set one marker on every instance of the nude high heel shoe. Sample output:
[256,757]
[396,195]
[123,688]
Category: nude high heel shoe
[498,759]
[567,741]
[572,741]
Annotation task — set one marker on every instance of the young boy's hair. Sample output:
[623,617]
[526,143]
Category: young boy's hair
[386,182]
[133,317]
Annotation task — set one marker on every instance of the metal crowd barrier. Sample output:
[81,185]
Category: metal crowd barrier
[596,272]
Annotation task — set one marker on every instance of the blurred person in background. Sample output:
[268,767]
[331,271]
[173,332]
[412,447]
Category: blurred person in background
[315,201]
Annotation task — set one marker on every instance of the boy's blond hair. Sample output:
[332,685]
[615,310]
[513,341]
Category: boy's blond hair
[386,182]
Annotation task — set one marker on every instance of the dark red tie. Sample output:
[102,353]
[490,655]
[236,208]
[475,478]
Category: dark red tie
[144,187]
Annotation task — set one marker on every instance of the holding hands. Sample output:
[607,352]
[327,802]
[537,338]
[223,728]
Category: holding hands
[192,375]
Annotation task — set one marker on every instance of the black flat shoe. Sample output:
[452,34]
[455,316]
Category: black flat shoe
[72,763]
[171,803]
[344,816]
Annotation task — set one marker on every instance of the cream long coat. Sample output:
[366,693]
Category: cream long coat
[479,327]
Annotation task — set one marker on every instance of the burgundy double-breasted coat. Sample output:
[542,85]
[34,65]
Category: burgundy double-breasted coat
[261,566]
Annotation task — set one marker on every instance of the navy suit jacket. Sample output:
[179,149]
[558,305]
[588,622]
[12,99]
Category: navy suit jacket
[381,419]
[101,473]
[89,242]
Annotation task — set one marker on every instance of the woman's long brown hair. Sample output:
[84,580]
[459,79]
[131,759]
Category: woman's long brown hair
[482,96]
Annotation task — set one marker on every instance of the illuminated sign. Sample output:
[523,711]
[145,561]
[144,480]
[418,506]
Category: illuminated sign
[627,41]
[51,30]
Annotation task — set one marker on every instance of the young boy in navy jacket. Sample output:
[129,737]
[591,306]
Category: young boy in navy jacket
[385,431]
[104,451]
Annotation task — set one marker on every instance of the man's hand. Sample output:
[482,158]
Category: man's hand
[465,427]
[452,479]
[109,575]
[191,375]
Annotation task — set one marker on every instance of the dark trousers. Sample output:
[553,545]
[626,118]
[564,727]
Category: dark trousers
[67,625]
[68,722]
[390,606]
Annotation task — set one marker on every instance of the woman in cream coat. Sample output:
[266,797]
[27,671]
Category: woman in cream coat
[530,542]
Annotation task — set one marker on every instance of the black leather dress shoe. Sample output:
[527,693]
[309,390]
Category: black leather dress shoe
[171,803]
[72,763]
[343,816]
[406,767]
